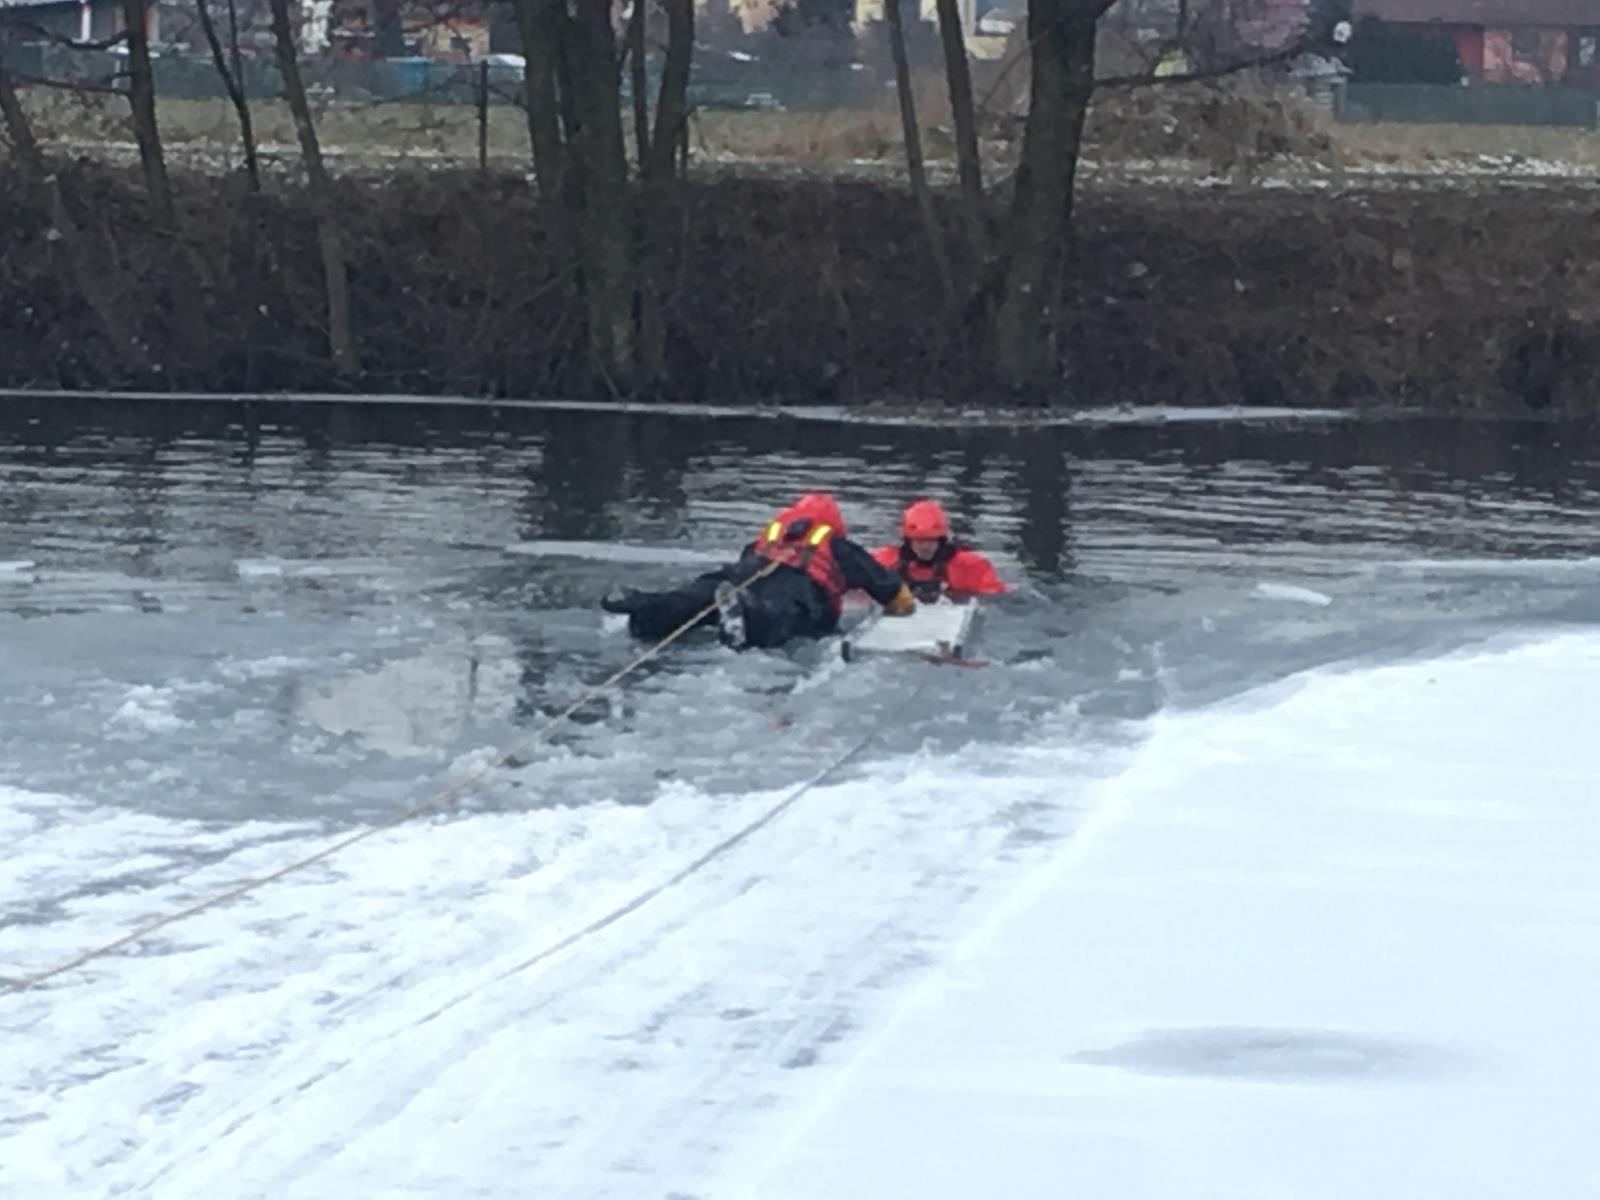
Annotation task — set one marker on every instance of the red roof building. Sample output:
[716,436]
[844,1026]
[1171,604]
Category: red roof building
[1533,42]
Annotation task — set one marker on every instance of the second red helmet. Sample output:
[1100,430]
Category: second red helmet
[925,521]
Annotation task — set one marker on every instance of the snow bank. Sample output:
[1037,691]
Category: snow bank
[1344,945]
[392,1020]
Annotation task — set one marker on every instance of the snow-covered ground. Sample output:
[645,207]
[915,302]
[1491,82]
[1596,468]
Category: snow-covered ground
[1335,937]
[394,1022]
[1339,939]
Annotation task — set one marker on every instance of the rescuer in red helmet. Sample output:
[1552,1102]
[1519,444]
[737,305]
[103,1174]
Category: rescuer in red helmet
[934,565]
[806,564]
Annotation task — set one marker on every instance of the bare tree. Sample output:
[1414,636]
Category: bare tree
[969,167]
[1062,36]
[230,69]
[1061,44]
[594,133]
[640,81]
[916,169]
[341,339]
[19,130]
[672,102]
[605,233]
[542,24]
[659,194]
[142,97]
[95,281]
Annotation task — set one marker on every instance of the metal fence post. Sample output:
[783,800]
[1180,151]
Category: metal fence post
[483,118]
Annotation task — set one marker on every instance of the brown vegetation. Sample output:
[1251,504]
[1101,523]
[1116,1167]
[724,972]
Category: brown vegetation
[1219,126]
[793,290]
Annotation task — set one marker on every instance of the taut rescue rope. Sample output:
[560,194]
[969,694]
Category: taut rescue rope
[705,858]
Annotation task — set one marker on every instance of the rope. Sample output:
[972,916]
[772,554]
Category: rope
[631,906]
[705,859]
[446,797]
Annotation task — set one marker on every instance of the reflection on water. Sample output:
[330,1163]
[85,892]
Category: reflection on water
[356,550]
[584,476]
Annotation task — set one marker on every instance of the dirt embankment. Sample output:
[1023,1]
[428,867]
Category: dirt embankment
[823,291]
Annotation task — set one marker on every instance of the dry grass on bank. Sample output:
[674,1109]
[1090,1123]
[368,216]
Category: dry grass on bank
[1213,130]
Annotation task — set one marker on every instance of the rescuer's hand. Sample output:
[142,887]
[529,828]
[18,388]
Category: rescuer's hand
[902,604]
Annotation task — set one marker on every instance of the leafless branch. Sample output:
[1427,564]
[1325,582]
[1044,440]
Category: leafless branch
[1307,43]
[232,77]
[1319,37]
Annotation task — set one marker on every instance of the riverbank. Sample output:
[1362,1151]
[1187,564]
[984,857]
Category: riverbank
[817,291]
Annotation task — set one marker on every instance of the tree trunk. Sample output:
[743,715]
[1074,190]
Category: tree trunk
[969,167]
[640,80]
[603,214]
[341,341]
[232,81]
[142,98]
[19,130]
[672,103]
[660,191]
[540,22]
[388,32]
[915,168]
[575,123]
[94,278]
[1062,35]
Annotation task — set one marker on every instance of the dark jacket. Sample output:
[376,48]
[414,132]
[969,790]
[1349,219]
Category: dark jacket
[798,602]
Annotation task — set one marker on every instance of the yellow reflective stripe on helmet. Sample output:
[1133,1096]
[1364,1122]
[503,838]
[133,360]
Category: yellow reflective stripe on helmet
[775,532]
[819,534]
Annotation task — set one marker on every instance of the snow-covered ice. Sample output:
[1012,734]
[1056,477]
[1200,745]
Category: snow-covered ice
[1336,937]
[618,552]
[1341,940]
[1293,593]
[373,1025]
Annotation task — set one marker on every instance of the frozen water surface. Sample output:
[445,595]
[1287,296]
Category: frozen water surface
[1259,863]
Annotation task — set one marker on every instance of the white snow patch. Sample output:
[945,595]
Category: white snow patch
[1489,566]
[378,1022]
[1345,945]
[1293,593]
[616,552]
[149,709]
[312,568]
[269,667]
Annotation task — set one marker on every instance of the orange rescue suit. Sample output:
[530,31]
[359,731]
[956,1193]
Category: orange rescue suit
[796,540]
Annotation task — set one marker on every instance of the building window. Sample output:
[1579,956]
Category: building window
[1586,48]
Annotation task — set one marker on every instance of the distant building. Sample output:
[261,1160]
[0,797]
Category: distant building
[1532,42]
[73,20]
[168,23]
[441,30]
[868,11]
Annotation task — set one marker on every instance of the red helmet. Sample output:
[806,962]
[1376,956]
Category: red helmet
[925,521]
[822,508]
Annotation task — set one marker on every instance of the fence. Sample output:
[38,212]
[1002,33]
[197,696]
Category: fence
[723,82]
[1486,104]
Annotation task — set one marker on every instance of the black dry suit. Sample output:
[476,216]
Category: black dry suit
[786,603]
